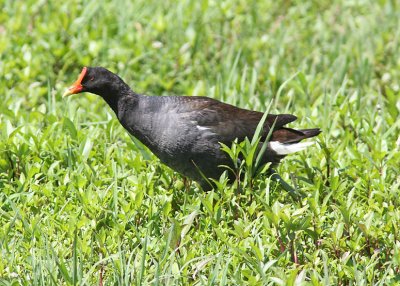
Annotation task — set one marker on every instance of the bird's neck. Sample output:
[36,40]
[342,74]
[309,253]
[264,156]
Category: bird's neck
[118,96]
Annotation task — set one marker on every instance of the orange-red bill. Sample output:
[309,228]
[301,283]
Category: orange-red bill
[76,87]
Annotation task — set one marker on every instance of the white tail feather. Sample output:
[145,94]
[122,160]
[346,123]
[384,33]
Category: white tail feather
[284,149]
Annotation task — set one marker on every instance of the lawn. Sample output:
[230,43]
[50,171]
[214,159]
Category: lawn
[82,203]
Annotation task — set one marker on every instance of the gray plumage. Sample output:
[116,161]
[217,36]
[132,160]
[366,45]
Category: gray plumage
[185,132]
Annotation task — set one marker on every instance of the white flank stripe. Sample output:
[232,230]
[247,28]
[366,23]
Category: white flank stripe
[284,149]
[201,128]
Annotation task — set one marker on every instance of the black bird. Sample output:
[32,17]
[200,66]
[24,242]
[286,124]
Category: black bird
[185,131]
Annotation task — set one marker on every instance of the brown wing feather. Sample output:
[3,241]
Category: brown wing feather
[230,122]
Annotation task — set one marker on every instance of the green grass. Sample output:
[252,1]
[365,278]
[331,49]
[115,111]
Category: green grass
[78,197]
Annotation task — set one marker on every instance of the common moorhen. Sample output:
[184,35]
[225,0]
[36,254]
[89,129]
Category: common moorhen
[185,131]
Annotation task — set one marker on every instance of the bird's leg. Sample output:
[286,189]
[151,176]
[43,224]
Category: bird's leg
[238,194]
[292,192]
[186,183]
[171,183]
[101,275]
[238,188]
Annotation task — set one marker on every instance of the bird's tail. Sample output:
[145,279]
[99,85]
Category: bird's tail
[308,133]
[286,140]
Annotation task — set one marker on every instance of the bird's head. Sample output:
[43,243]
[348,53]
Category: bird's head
[97,80]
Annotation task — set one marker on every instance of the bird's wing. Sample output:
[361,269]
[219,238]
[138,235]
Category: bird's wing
[229,122]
